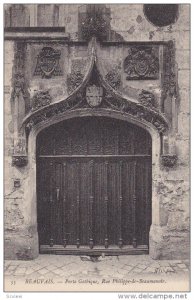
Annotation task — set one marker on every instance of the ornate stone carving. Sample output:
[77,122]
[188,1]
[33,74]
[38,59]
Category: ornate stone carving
[113,77]
[19,160]
[138,111]
[19,80]
[110,102]
[74,79]
[142,63]
[51,111]
[95,24]
[20,146]
[147,99]
[48,63]
[169,77]
[94,95]
[40,99]
[169,160]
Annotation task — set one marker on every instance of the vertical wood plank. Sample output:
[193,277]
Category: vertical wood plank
[134,207]
[120,243]
[91,199]
[64,205]
[78,205]
[106,203]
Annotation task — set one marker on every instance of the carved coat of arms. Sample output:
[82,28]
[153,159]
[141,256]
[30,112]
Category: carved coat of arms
[94,95]
[142,63]
[48,63]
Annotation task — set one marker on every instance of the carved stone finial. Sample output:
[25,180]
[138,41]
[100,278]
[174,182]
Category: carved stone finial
[142,63]
[48,63]
[41,98]
[95,24]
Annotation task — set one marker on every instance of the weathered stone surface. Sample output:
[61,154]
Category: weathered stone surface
[184,95]
[165,246]
[13,215]
[178,221]
[21,247]
[183,76]
[183,150]
[184,124]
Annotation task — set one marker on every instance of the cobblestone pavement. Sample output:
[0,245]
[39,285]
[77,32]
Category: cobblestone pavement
[59,266]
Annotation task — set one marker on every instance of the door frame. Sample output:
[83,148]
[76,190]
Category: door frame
[31,190]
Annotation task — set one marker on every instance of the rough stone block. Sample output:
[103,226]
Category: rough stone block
[183,21]
[19,247]
[183,59]
[185,104]
[184,124]
[178,221]
[183,150]
[8,73]
[163,245]
[9,52]
[183,79]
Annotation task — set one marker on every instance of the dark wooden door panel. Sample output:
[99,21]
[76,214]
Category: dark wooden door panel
[93,136]
[94,185]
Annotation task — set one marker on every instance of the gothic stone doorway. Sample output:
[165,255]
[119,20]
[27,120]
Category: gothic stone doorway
[94,187]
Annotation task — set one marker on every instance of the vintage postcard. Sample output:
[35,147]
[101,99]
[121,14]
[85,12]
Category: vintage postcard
[97,155]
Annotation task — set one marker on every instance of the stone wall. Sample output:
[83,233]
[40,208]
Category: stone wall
[169,234]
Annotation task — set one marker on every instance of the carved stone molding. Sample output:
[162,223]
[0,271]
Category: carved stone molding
[108,102]
[95,23]
[138,112]
[19,160]
[142,63]
[113,77]
[74,79]
[169,76]
[110,98]
[19,80]
[40,99]
[169,160]
[48,63]
[52,111]
[147,99]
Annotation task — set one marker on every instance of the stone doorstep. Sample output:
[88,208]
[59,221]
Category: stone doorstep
[43,271]
[11,267]
[136,270]
[142,266]
[123,271]
[58,272]
[51,267]
[20,271]
[29,271]
[150,270]
[129,268]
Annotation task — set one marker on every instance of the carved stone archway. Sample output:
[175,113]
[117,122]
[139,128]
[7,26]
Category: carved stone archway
[106,102]
[30,190]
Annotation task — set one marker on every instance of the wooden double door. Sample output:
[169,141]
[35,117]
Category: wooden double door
[94,187]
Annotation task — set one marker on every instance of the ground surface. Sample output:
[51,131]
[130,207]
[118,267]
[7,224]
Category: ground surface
[60,272]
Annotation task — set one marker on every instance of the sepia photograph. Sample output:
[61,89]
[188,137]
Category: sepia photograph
[96,147]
